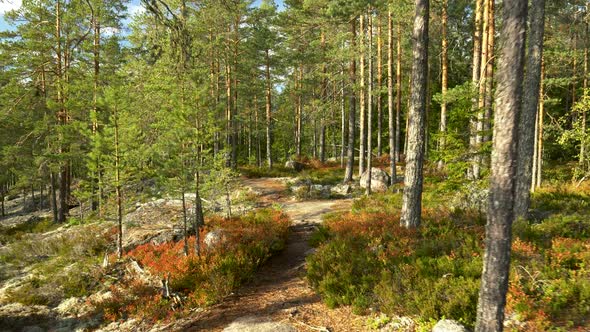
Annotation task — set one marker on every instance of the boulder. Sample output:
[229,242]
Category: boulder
[448,325]
[341,189]
[292,164]
[379,179]
[258,324]
[319,191]
[215,238]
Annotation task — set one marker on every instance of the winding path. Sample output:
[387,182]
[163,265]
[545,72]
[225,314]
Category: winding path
[279,298]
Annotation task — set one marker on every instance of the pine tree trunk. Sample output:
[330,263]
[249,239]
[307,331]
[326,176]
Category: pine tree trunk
[379,88]
[96,55]
[475,78]
[342,122]
[352,113]
[444,82]
[582,157]
[494,282]
[393,150]
[268,112]
[412,198]
[487,129]
[118,187]
[324,96]
[299,133]
[370,104]
[539,153]
[199,218]
[482,90]
[363,109]
[398,89]
[532,83]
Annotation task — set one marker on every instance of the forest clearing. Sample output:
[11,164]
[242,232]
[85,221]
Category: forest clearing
[294,165]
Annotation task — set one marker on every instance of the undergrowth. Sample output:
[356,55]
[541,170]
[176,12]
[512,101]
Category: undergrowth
[366,260]
[248,241]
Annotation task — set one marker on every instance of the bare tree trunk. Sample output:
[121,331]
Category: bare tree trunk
[268,112]
[482,90]
[370,103]
[393,135]
[199,218]
[299,133]
[494,282]
[412,199]
[539,153]
[324,96]
[582,157]
[532,83]
[342,122]
[475,77]
[184,221]
[444,82]
[489,76]
[352,112]
[118,186]
[96,54]
[363,115]
[398,91]
[379,87]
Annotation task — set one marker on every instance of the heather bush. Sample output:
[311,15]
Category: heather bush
[365,259]
[201,280]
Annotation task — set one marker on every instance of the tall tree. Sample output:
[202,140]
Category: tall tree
[528,117]
[412,199]
[494,282]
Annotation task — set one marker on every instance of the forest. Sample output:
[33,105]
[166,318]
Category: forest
[294,165]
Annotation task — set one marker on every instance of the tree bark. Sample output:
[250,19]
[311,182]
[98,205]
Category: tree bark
[539,141]
[118,186]
[299,133]
[444,82]
[398,92]
[268,112]
[352,113]
[379,88]
[475,77]
[582,157]
[412,198]
[532,83]
[363,109]
[342,122]
[494,282]
[370,103]
[393,151]
[487,134]
[324,96]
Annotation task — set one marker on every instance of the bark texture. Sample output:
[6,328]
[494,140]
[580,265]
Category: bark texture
[494,282]
[352,112]
[412,201]
[528,117]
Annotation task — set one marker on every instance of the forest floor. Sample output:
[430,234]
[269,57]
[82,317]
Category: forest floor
[279,298]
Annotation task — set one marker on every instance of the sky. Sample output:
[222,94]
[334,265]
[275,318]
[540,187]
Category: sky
[133,7]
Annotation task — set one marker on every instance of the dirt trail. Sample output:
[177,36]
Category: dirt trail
[279,292]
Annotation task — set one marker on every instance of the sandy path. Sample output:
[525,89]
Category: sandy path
[279,292]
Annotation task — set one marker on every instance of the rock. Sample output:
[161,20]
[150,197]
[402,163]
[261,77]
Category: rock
[379,180]
[70,307]
[448,325]
[300,191]
[341,189]
[258,324]
[319,191]
[471,196]
[292,164]
[397,324]
[215,238]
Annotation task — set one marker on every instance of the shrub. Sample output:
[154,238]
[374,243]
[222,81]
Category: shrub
[201,280]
